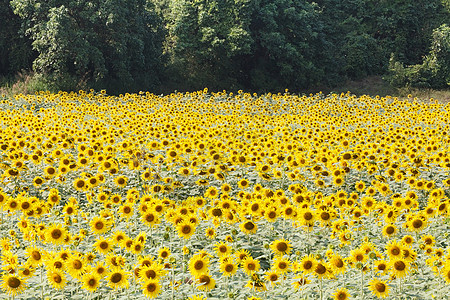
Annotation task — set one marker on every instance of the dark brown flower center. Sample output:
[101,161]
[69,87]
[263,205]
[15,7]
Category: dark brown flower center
[116,277]
[380,287]
[13,282]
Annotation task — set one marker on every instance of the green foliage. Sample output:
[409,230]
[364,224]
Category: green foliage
[15,49]
[434,72]
[96,42]
[256,45]
[208,40]
[223,43]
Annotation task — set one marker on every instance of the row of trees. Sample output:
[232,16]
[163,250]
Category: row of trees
[258,45]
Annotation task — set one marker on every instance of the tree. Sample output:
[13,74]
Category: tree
[252,44]
[15,49]
[94,43]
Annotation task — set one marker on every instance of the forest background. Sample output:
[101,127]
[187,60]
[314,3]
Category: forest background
[252,45]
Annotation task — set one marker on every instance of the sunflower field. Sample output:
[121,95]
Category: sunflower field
[223,196]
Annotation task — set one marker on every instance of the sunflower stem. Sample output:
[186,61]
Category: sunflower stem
[321,289]
[173,282]
[362,284]
[42,284]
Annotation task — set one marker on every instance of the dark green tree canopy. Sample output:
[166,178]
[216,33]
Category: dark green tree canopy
[255,45]
[93,41]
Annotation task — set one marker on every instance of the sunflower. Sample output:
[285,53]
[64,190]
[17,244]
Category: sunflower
[137,248]
[126,211]
[243,184]
[281,247]
[75,266]
[12,204]
[308,264]
[399,267]
[417,224]
[394,249]
[206,282]
[381,266]
[50,172]
[273,276]
[152,271]
[26,271]
[211,193]
[250,265]
[35,256]
[56,279]
[70,209]
[445,272]
[120,181]
[210,233]
[341,294]
[337,264]
[222,249]
[281,264]
[249,227]
[198,265]
[80,185]
[360,186]
[150,218]
[379,288]
[99,225]
[117,278]
[227,267]
[306,217]
[323,270]
[241,255]
[12,284]
[164,253]
[103,245]
[91,282]
[389,230]
[55,234]
[151,288]
[185,229]
[100,270]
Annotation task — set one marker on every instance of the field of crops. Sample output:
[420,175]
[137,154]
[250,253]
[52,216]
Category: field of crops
[224,196]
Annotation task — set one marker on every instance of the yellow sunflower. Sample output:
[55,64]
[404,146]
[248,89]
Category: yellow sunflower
[56,279]
[117,278]
[151,288]
[281,247]
[379,288]
[12,284]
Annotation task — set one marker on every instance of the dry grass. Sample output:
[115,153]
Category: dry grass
[375,85]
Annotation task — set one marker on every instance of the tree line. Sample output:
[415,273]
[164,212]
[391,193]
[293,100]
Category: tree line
[255,45]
